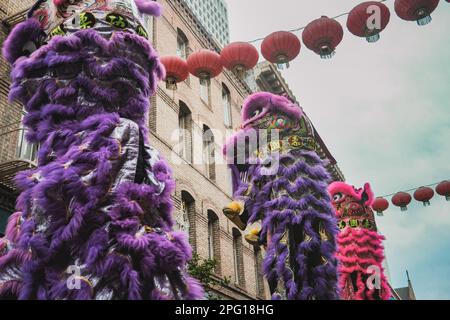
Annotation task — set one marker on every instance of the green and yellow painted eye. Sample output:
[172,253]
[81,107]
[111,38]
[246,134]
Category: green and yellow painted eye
[117,20]
[58,31]
[87,20]
[141,31]
[280,123]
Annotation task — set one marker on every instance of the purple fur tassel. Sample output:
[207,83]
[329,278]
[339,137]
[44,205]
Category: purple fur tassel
[95,217]
[20,39]
[149,7]
[292,202]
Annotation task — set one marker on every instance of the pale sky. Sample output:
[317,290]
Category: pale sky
[383,111]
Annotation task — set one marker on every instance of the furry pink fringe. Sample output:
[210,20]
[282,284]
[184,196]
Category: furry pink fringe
[13,227]
[357,251]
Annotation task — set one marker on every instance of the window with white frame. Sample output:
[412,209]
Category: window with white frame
[182,44]
[205,90]
[226,103]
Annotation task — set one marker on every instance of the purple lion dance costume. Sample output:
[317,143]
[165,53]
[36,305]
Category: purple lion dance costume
[94,218]
[279,180]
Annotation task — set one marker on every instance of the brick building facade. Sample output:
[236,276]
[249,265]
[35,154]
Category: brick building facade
[207,113]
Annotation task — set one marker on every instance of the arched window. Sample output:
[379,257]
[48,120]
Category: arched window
[238,258]
[226,103]
[185,127]
[209,152]
[214,239]
[182,44]
[259,276]
[185,221]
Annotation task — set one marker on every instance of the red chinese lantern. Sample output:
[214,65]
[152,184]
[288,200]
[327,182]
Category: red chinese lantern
[424,195]
[322,36]
[443,189]
[416,10]
[380,205]
[204,64]
[280,48]
[239,57]
[176,71]
[401,199]
[368,19]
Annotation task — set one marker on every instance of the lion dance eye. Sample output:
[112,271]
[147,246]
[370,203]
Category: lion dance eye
[256,112]
[337,197]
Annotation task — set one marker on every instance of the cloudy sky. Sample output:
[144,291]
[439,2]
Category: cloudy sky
[383,110]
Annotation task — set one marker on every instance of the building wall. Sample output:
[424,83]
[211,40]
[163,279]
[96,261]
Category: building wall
[209,195]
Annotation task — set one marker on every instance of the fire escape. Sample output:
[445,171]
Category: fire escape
[16,154]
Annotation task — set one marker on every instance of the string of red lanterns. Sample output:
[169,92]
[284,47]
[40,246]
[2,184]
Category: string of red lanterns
[239,57]
[321,36]
[422,194]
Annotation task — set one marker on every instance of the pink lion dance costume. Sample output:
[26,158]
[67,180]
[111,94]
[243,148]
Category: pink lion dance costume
[360,249]
[94,218]
[298,225]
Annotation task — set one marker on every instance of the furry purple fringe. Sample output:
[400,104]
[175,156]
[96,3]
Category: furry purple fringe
[77,91]
[293,204]
[25,32]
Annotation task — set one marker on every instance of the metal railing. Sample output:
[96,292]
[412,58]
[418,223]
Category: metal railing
[16,154]
[26,150]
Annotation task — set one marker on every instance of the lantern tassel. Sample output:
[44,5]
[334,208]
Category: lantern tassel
[424,21]
[373,38]
[283,66]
